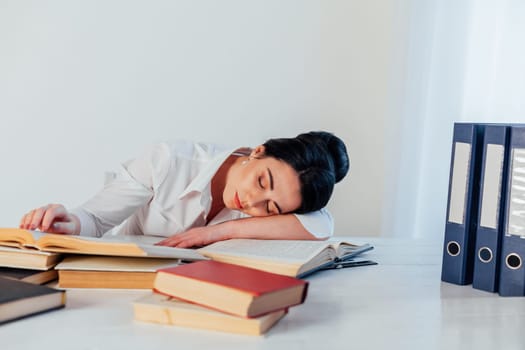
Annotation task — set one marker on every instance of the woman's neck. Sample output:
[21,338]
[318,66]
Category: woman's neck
[218,182]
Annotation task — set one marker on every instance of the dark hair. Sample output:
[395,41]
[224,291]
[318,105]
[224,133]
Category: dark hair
[320,159]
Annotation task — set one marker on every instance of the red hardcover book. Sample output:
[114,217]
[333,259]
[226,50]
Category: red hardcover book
[233,289]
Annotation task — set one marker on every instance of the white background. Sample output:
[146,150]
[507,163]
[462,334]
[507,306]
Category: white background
[85,85]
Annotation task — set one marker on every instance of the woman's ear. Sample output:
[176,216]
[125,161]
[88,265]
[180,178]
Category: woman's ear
[257,152]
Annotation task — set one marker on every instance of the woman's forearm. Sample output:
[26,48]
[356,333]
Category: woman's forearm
[269,227]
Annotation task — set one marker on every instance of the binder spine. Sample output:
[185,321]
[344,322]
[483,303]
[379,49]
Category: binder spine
[462,206]
[491,210]
[512,270]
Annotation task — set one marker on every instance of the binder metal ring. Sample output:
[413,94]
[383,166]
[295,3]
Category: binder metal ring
[513,261]
[453,248]
[485,254]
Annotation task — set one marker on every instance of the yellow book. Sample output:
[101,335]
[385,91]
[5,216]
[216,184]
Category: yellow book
[114,246]
[158,308]
[28,258]
[92,271]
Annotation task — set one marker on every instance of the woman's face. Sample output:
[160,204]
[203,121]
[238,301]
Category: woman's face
[262,186]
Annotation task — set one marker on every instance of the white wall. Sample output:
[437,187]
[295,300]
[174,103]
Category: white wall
[85,85]
[454,61]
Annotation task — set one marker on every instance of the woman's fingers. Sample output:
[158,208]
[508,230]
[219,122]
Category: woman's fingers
[170,241]
[194,237]
[50,218]
[54,213]
[32,219]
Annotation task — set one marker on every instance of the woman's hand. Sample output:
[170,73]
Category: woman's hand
[285,226]
[196,237]
[52,218]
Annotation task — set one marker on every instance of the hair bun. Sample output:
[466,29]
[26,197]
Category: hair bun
[333,146]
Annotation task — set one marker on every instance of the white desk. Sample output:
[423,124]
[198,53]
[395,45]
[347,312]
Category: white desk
[399,304]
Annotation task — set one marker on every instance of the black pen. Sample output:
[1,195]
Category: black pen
[352,263]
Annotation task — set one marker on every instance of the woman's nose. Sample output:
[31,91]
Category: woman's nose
[255,199]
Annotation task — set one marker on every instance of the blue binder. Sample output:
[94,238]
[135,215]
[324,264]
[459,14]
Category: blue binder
[463,194]
[489,230]
[512,270]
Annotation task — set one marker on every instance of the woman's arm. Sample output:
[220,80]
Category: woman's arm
[132,187]
[286,226]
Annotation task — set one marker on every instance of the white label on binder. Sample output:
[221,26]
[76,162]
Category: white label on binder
[490,199]
[458,191]
[516,220]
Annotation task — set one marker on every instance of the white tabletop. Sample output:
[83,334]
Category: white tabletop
[399,304]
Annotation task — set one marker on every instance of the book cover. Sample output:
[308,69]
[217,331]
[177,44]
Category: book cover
[231,288]
[29,275]
[20,299]
[162,309]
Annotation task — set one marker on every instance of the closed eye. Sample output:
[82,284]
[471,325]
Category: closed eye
[276,210]
[259,179]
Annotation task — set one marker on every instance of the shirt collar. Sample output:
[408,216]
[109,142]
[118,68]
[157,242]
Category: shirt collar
[203,179]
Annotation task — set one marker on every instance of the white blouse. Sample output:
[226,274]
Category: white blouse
[167,190]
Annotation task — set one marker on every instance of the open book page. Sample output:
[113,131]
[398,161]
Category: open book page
[287,257]
[14,237]
[12,250]
[287,251]
[345,250]
[147,244]
[138,245]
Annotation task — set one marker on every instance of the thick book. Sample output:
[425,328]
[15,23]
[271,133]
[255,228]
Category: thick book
[512,262]
[28,258]
[489,230]
[92,271]
[113,246]
[462,204]
[162,309]
[20,299]
[29,275]
[233,289]
[286,257]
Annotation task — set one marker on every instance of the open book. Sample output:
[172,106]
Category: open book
[114,246]
[285,257]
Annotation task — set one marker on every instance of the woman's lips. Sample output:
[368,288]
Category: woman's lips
[237,201]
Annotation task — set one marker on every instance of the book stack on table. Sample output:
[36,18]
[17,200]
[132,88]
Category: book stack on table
[238,285]
[220,296]
[28,265]
[131,261]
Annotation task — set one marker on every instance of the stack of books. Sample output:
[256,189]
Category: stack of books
[484,241]
[220,296]
[19,299]
[22,275]
[112,262]
[255,282]
[28,265]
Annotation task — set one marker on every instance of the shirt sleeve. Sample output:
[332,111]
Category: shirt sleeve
[127,190]
[319,223]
